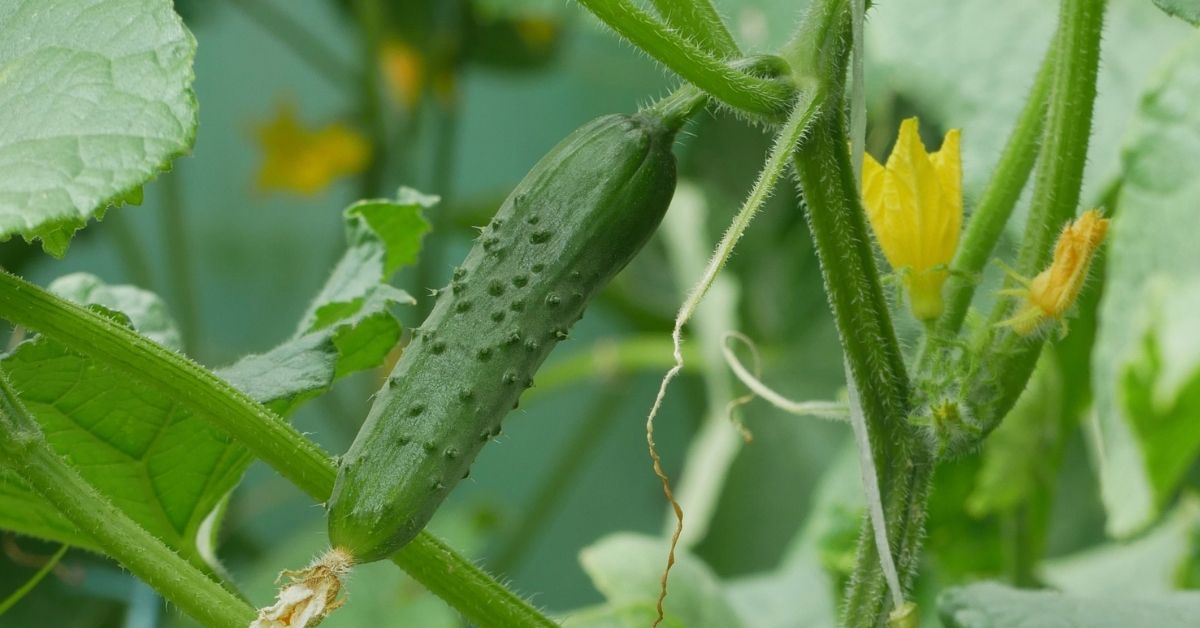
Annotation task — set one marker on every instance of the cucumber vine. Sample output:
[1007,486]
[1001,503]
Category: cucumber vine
[532,272]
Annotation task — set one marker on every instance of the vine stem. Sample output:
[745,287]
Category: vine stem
[27,452]
[175,235]
[30,584]
[450,576]
[836,219]
[1057,187]
[995,207]
[901,457]
[685,57]
[699,19]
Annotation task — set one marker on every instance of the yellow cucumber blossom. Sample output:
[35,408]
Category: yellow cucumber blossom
[1050,295]
[915,208]
[306,161]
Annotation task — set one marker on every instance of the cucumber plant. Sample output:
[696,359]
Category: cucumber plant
[118,443]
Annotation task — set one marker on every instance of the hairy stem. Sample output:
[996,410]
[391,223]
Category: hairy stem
[699,19]
[999,198]
[27,452]
[902,460]
[175,235]
[838,224]
[1010,358]
[737,88]
[455,579]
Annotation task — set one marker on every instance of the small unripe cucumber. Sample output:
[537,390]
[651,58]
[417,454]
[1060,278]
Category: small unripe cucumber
[575,220]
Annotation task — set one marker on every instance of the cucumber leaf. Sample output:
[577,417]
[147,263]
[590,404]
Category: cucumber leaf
[626,569]
[941,57]
[1146,365]
[1149,564]
[1187,10]
[150,454]
[991,605]
[97,99]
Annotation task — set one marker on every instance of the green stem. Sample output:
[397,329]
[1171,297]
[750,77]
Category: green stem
[370,17]
[903,462]
[768,97]
[1010,358]
[571,460]
[129,249]
[27,452]
[452,577]
[175,235]
[699,20]
[30,584]
[304,44]
[995,207]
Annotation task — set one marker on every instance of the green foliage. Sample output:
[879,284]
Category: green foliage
[958,83]
[97,99]
[1147,361]
[626,568]
[995,606]
[149,454]
[1188,10]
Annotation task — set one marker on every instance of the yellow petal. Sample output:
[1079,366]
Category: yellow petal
[915,208]
[915,192]
[948,163]
[300,160]
[872,191]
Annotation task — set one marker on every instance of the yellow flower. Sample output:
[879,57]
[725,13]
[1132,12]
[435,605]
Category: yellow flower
[1053,291]
[403,72]
[306,161]
[915,208]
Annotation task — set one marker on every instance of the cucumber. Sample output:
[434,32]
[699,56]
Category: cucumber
[575,220]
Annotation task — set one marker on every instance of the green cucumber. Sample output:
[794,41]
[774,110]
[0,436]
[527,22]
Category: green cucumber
[575,220]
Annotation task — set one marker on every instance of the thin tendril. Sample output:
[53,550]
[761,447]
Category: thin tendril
[823,409]
[785,143]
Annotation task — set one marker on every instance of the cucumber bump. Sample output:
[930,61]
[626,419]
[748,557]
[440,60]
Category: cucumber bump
[576,219]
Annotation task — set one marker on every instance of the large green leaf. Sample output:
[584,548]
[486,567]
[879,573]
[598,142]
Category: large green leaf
[149,453]
[990,605]
[1183,9]
[1149,564]
[626,568]
[1147,358]
[943,58]
[97,98]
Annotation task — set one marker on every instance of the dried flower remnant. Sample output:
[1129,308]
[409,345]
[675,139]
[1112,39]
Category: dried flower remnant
[1050,295]
[310,595]
[915,208]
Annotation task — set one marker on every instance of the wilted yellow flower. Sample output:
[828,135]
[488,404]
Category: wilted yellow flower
[915,208]
[310,594]
[1052,293]
[306,161]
